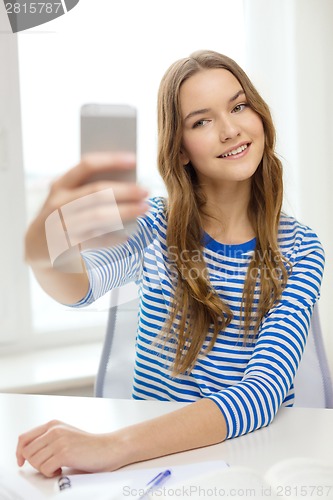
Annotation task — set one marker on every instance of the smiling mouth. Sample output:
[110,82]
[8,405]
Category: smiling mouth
[236,151]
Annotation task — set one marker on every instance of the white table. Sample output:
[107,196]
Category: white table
[295,432]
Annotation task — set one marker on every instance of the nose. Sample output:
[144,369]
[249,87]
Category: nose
[228,129]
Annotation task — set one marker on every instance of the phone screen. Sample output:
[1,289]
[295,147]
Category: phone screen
[109,127]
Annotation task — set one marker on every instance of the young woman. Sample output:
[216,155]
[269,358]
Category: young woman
[227,281]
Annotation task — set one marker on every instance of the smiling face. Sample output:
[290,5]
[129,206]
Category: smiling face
[223,137]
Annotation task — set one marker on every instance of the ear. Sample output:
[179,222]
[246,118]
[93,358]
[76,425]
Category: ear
[184,158]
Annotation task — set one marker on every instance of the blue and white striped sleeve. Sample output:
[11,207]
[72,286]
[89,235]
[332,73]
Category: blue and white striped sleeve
[113,267]
[254,402]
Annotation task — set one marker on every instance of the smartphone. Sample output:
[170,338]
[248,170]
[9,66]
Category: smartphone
[109,127]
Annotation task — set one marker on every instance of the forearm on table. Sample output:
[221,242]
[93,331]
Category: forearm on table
[194,426]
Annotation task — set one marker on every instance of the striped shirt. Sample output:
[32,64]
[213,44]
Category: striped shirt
[248,382]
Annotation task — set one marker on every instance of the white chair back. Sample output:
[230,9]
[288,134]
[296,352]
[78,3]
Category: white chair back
[115,372]
[313,386]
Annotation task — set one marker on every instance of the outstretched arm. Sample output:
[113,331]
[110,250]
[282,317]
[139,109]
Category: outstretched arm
[77,210]
[55,445]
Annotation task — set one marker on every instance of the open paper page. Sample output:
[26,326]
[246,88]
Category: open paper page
[291,479]
[130,483]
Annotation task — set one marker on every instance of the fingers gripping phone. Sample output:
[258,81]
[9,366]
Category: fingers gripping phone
[109,127]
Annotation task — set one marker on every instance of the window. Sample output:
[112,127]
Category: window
[99,52]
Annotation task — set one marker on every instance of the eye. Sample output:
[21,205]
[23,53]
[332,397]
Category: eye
[200,123]
[239,107]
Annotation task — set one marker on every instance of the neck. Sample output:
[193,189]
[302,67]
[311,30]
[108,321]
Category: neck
[226,213]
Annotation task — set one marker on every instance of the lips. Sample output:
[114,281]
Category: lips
[235,151]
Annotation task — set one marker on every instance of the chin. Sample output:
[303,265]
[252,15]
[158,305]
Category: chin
[246,173]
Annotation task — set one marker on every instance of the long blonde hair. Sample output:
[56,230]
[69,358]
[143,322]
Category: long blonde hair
[196,306]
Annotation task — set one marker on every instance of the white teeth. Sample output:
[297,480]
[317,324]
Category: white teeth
[235,151]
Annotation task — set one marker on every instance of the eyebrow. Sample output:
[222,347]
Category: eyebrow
[239,93]
[207,110]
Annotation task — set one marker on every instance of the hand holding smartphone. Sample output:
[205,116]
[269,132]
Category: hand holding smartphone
[81,214]
[110,128]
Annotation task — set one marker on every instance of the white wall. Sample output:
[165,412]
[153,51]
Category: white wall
[289,57]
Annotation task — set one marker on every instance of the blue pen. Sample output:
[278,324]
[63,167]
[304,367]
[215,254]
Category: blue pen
[155,482]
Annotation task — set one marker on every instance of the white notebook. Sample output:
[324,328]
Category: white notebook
[125,483]
[292,479]
[130,483]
